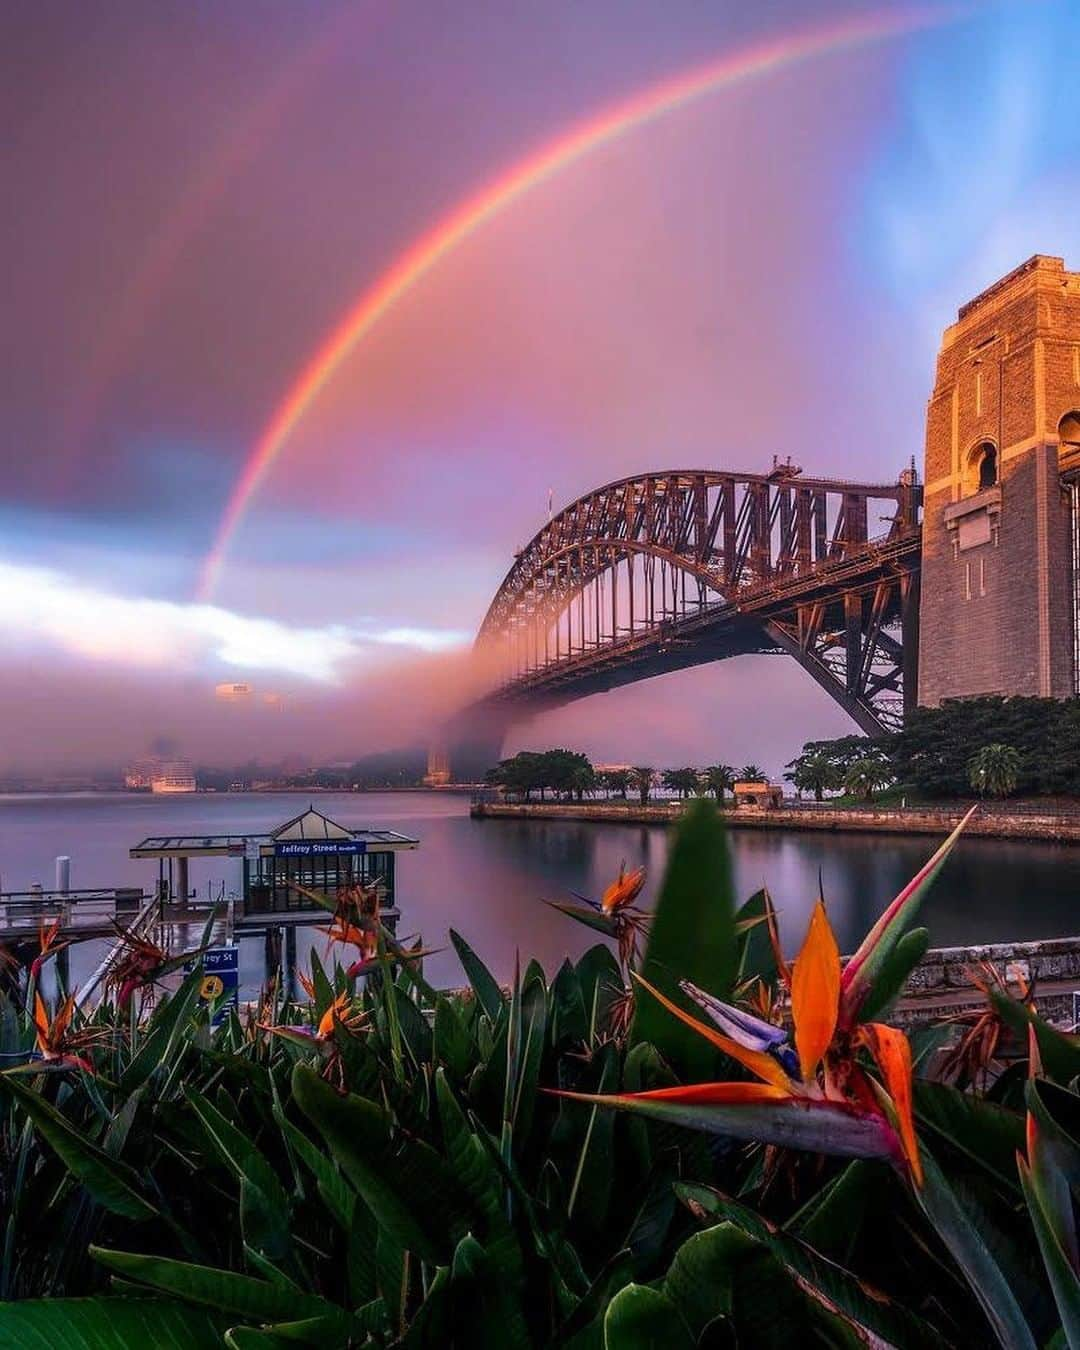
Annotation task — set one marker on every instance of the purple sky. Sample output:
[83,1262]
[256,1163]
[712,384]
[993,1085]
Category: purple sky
[195,194]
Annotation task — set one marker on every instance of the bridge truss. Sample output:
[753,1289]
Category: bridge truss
[667,570]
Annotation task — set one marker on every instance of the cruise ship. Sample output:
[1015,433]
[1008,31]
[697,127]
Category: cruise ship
[173,775]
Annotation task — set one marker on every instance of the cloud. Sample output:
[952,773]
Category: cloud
[41,606]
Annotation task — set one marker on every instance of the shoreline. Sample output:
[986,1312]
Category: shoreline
[995,823]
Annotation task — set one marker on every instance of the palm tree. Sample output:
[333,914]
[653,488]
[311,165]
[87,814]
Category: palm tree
[641,780]
[719,778]
[683,781]
[994,770]
[814,773]
[617,780]
[752,773]
[865,775]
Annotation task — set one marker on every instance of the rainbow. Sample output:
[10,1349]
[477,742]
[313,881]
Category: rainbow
[536,168]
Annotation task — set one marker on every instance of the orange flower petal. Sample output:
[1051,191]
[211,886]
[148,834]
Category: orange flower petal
[756,1061]
[623,890]
[892,1054]
[41,1019]
[815,992]
[712,1094]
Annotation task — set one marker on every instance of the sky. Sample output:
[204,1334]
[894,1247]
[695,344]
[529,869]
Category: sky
[196,195]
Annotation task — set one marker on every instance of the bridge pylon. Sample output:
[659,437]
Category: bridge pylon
[1001,526]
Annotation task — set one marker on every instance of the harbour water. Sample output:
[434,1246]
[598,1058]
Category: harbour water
[488,879]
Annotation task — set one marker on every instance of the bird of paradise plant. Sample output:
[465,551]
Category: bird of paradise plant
[140,963]
[614,914]
[321,1036]
[58,1046]
[814,1090]
[48,945]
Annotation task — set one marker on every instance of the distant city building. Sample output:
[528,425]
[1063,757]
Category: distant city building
[612,768]
[138,775]
[234,693]
[438,767]
[173,775]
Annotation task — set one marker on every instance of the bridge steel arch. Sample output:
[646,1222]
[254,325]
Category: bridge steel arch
[665,570]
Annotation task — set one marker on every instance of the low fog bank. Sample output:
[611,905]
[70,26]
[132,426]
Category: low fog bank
[80,717]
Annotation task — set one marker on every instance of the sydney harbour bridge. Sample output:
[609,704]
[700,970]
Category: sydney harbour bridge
[873,595]
[667,570]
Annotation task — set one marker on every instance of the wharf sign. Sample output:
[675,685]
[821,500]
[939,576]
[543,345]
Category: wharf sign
[314,848]
[220,984]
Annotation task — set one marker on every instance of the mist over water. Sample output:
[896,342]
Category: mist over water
[488,878]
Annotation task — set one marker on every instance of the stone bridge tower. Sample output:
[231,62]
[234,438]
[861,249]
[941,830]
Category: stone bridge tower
[998,612]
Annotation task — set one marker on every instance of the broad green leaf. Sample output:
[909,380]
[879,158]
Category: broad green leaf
[1059,1050]
[265,1205]
[167,1025]
[569,1023]
[642,1318]
[988,1134]
[453,1045]
[405,1183]
[112,1184]
[894,973]
[337,1194]
[969,1249]
[1064,1280]
[592,918]
[757,960]
[484,984]
[692,937]
[875,951]
[222,1290]
[103,1323]
[830,1283]
[704,1271]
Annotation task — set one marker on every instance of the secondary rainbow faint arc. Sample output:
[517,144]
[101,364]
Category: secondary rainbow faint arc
[551,158]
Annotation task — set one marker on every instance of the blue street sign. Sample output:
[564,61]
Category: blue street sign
[221,979]
[309,848]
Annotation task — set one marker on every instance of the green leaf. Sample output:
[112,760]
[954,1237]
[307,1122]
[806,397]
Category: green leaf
[757,960]
[569,1022]
[169,1021]
[264,1205]
[640,1318]
[405,1183]
[876,949]
[988,1134]
[703,1274]
[594,1174]
[224,1290]
[592,918]
[894,973]
[112,1184]
[108,1324]
[453,1045]
[337,1194]
[484,984]
[831,1284]
[1064,1280]
[962,1236]
[692,937]
[1059,1051]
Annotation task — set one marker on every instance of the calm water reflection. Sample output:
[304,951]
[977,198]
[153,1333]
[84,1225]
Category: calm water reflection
[488,878]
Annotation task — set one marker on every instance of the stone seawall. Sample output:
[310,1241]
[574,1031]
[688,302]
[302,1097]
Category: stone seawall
[941,984]
[994,824]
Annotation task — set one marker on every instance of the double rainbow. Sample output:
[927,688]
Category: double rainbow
[551,158]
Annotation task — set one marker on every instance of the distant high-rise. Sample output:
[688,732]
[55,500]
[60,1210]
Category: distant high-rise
[234,693]
[173,775]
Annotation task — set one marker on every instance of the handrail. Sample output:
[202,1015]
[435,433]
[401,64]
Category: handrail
[143,921]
